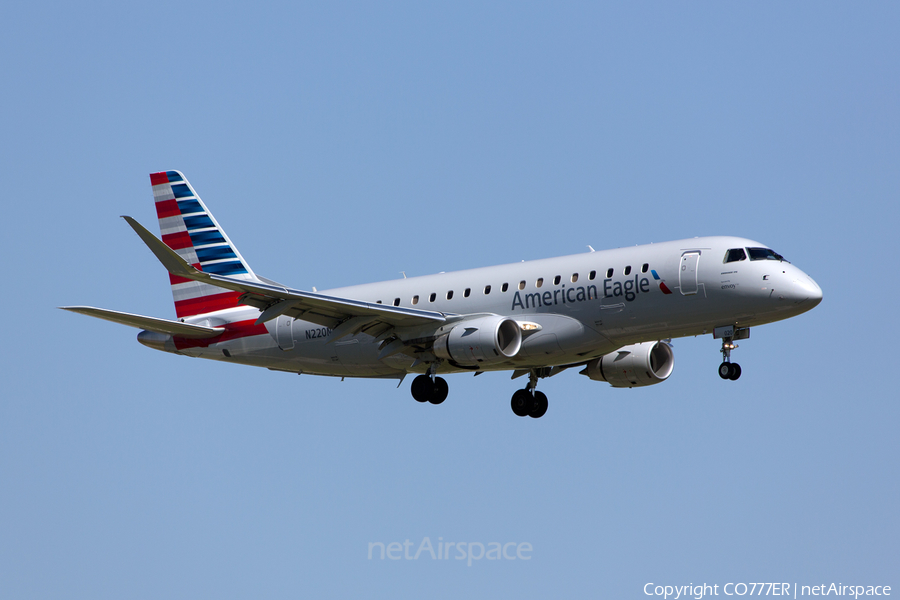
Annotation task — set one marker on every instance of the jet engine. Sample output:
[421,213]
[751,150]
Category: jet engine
[633,366]
[481,341]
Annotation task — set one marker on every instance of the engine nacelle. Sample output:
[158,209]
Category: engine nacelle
[481,341]
[634,366]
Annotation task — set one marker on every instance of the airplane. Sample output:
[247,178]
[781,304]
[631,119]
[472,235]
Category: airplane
[612,313]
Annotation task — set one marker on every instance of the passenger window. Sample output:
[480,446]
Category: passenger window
[735,255]
[450,295]
[467,292]
[539,282]
[628,270]
[574,277]
[432,297]
[378,302]
[415,300]
[592,275]
[396,301]
[556,280]
[644,267]
[487,290]
[609,273]
[521,285]
[504,287]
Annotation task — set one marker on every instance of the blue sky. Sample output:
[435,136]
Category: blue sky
[344,144]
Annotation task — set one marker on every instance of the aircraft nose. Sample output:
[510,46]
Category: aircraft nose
[805,291]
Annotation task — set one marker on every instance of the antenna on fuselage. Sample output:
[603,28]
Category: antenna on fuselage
[591,248]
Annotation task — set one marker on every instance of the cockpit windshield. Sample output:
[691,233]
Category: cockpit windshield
[764,254]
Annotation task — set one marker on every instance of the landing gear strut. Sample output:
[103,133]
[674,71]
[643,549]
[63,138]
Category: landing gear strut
[728,369]
[529,402]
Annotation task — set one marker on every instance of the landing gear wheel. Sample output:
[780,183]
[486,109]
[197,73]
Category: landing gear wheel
[725,370]
[421,388]
[522,403]
[439,390]
[730,371]
[540,406]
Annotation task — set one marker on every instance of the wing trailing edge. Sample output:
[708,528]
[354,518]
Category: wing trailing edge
[274,300]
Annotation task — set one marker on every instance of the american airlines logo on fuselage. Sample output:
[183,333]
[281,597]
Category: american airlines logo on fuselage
[628,289]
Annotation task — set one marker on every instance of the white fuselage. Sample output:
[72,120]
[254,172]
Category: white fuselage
[584,306]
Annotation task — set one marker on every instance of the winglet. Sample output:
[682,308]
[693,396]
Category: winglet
[168,257]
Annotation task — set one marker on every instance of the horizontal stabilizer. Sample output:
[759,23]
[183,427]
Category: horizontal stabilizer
[176,328]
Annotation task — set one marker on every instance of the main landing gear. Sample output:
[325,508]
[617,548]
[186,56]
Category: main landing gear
[525,403]
[428,388]
[529,402]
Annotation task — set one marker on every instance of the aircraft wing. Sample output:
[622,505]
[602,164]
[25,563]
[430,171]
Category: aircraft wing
[185,330]
[274,300]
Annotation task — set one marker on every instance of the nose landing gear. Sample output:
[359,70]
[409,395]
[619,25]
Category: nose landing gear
[728,369]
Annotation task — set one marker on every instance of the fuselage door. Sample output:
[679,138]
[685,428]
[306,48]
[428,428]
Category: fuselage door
[687,275]
[284,335]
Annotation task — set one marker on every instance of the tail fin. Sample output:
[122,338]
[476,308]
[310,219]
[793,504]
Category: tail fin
[189,229]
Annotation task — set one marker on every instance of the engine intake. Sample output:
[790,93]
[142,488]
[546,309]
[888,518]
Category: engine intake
[481,341]
[637,365]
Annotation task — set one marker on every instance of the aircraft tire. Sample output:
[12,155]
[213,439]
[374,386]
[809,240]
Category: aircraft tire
[439,390]
[540,406]
[420,388]
[522,403]
[735,372]
[725,370]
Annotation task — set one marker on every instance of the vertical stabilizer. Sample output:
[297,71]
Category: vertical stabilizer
[189,229]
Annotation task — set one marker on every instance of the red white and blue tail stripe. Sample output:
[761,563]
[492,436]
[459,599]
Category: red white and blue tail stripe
[189,229]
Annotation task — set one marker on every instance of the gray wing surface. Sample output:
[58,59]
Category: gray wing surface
[275,300]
